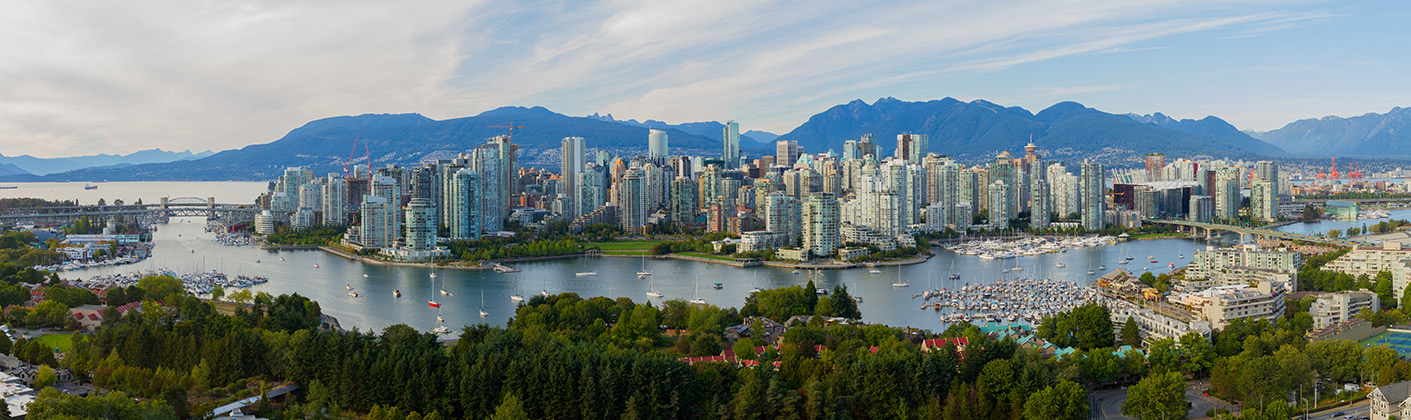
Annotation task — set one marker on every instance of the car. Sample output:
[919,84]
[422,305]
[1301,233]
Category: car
[1338,414]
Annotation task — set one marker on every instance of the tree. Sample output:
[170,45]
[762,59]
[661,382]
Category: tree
[1130,335]
[45,377]
[1334,233]
[1199,354]
[159,287]
[217,293]
[1157,397]
[510,409]
[243,296]
[1064,400]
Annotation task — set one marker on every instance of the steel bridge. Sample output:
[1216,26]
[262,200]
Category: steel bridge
[1246,232]
[168,207]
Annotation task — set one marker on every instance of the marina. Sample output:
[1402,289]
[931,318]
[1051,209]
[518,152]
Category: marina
[991,249]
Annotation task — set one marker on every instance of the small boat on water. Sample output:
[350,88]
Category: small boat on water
[1018,268]
[353,294]
[90,187]
[874,271]
[586,274]
[1091,272]
[482,304]
[280,258]
[1153,261]
[1060,265]
[350,286]
[396,293]
[795,272]
[364,275]
[315,265]
[718,286]
[433,304]
[8,187]
[1102,267]
[445,293]
[516,298]
[544,293]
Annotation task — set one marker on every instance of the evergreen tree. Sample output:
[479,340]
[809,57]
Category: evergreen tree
[1130,335]
[510,409]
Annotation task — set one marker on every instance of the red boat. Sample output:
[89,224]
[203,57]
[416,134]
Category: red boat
[433,304]
[1153,261]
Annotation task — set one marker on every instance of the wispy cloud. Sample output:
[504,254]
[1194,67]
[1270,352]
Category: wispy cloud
[96,76]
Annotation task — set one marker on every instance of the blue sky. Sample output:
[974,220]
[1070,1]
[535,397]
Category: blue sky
[87,77]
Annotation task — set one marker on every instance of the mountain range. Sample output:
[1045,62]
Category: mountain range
[979,129]
[713,130]
[1371,134]
[26,164]
[972,131]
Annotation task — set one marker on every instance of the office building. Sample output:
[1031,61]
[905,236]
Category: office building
[731,144]
[787,152]
[1093,200]
[656,144]
[912,147]
[571,167]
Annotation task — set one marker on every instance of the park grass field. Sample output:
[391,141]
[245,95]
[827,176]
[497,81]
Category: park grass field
[57,341]
[633,245]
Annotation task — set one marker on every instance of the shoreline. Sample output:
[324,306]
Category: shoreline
[784,264]
[359,258]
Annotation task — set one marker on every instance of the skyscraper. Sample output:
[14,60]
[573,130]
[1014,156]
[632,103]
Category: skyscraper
[912,147]
[787,152]
[421,225]
[507,151]
[1154,163]
[572,155]
[335,204]
[379,228]
[1039,204]
[462,198]
[1269,171]
[820,224]
[1094,201]
[999,210]
[683,200]
[656,144]
[632,202]
[731,143]
[487,163]
[1227,193]
[781,217]
[1263,203]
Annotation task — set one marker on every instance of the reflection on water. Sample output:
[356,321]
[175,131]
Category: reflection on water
[376,307]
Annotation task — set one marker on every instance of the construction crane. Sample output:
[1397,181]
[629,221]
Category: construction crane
[511,127]
[348,173]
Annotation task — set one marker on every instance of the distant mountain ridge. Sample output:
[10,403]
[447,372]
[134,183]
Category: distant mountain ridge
[44,166]
[972,131]
[1370,134]
[404,139]
[981,128]
[713,130]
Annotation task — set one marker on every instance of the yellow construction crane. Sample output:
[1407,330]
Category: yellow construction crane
[511,127]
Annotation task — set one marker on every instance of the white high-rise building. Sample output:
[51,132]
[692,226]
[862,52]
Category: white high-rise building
[656,144]
[335,201]
[820,224]
[379,228]
[1263,203]
[731,144]
[782,217]
[999,208]
[1227,194]
[571,170]
[1063,191]
[462,199]
[421,225]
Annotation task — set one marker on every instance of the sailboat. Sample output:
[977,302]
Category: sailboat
[443,285]
[651,289]
[644,273]
[754,288]
[482,305]
[433,303]
[900,282]
[440,323]
[697,300]
[516,298]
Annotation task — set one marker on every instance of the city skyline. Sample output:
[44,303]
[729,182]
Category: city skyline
[185,76]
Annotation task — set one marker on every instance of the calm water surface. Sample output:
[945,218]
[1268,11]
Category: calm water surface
[183,246]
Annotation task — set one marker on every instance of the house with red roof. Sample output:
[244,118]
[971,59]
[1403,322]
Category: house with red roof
[937,343]
[89,317]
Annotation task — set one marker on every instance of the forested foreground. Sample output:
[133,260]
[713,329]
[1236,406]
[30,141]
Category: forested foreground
[562,357]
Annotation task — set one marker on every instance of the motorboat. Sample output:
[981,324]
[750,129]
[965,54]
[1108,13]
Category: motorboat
[350,286]
[586,274]
[718,286]
[353,294]
[396,293]
[875,271]
[795,272]
[1060,265]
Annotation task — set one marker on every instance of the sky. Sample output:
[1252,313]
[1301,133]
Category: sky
[82,77]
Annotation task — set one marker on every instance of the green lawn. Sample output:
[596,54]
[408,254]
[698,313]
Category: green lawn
[636,245]
[59,341]
[705,255]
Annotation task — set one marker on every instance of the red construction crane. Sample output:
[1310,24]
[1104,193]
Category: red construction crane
[1356,174]
[1334,175]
